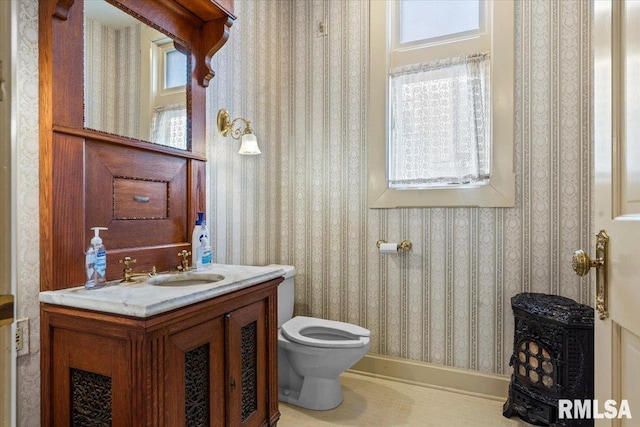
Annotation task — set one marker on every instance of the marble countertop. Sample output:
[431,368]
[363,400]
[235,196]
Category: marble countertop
[142,299]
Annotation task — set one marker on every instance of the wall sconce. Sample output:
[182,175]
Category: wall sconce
[227,127]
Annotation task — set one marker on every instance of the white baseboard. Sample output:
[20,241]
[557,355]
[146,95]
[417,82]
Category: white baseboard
[489,386]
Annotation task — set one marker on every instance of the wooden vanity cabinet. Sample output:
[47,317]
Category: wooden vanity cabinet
[209,364]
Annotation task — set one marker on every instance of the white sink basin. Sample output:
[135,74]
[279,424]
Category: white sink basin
[184,279]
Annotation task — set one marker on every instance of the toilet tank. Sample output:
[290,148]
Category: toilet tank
[286,295]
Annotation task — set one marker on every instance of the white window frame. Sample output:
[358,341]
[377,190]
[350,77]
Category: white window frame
[164,47]
[500,191]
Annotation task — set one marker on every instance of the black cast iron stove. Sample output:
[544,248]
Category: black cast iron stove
[552,358]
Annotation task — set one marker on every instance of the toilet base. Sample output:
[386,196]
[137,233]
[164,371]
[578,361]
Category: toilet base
[319,394]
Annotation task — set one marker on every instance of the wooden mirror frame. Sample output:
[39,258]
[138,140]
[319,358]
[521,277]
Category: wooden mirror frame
[201,27]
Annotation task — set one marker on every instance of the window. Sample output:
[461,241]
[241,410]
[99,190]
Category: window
[440,134]
[171,66]
[169,126]
[175,64]
[429,20]
[441,103]
[169,110]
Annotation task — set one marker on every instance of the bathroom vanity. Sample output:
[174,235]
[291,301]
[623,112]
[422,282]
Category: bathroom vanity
[139,354]
[149,355]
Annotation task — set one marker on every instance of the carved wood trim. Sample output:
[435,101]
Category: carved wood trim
[272,356]
[197,407]
[62,9]
[91,134]
[213,30]
[203,33]
[91,398]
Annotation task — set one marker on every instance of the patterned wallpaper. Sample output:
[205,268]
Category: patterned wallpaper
[27,234]
[303,201]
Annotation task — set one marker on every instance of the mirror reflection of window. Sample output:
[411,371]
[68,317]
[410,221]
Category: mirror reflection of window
[174,65]
[169,119]
[169,126]
[133,77]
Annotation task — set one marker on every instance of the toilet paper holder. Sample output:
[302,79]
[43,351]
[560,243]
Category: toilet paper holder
[404,246]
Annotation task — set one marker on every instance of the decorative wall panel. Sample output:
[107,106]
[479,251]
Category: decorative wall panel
[91,399]
[196,387]
[249,350]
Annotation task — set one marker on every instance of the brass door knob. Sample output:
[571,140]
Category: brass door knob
[582,263]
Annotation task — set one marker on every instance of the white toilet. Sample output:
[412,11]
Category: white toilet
[312,353]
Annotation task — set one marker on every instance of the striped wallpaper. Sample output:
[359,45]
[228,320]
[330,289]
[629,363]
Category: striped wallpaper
[303,201]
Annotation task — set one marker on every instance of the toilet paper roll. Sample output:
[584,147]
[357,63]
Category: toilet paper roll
[389,248]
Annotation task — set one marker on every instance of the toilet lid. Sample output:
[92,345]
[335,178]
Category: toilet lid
[324,333]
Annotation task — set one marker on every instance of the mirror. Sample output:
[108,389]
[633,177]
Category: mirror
[135,78]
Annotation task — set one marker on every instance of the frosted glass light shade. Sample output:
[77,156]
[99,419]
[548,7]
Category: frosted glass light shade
[249,145]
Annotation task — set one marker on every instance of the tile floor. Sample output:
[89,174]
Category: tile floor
[375,402]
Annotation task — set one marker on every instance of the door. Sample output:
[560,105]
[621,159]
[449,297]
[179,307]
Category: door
[194,375]
[617,203]
[7,367]
[246,333]
[89,380]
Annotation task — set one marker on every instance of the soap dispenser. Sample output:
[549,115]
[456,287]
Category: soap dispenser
[207,254]
[200,247]
[196,236]
[96,261]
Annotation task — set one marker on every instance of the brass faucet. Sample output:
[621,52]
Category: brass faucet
[185,260]
[127,272]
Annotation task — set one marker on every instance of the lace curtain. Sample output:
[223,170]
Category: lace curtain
[440,123]
[169,126]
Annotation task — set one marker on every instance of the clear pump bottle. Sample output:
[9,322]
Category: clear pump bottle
[96,261]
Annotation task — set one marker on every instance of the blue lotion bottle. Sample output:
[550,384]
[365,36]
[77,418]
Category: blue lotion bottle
[196,251]
[201,253]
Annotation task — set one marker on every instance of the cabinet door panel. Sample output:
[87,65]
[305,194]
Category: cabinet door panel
[194,393]
[246,365]
[91,383]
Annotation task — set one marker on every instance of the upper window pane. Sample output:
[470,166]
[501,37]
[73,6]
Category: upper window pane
[175,66]
[429,19]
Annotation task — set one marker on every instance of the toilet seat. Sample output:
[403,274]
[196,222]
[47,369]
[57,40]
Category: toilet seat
[316,332]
